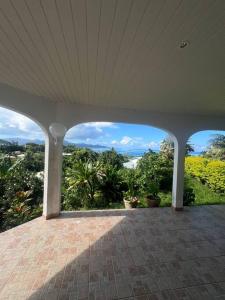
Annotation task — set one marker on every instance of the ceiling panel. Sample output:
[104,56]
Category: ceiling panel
[117,53]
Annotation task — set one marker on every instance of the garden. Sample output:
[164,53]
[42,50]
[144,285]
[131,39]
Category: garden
[93,180]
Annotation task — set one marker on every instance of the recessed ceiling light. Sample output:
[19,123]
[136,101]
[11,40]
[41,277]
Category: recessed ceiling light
[184,44]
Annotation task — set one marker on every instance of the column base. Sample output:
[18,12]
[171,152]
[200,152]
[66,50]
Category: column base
[51,216]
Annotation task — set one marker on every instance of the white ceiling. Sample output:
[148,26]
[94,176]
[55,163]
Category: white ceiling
[117,53]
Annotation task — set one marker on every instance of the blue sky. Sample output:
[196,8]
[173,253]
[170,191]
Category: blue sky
[118,135]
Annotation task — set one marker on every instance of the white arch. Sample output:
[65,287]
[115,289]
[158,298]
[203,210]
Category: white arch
[46,112]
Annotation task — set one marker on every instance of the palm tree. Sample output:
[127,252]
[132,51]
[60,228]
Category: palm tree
[85,177]
[167,148]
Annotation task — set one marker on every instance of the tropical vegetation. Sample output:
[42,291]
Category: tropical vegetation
[93,180]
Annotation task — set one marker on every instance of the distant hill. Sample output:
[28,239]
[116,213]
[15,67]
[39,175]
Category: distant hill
[83,145]
[22,141]
[4,143]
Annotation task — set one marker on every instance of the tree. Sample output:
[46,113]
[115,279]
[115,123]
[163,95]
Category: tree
[167,148]
[35,147]
[216,148]
[78,154]
[84,154]
[32,161]
[21,195]
[157,168]
[10,147]
[84,177]
[69,148]
[111,157]
[111,184]
[5,164]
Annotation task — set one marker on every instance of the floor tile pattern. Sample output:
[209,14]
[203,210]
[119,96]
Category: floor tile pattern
[140,254]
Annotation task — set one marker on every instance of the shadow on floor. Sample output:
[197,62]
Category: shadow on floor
[137,254]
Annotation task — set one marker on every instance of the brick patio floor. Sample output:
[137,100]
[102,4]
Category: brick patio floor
[120,254]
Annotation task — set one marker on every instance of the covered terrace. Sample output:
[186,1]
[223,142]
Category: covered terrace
[158,63]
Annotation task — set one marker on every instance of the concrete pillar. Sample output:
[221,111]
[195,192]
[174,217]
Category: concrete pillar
[52,176]
[178,174]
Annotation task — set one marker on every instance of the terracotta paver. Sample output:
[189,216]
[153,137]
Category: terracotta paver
[119,254]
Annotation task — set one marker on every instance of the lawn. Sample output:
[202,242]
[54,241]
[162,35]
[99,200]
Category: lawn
[203,194]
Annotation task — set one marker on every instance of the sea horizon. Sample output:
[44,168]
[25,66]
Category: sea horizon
[135,152]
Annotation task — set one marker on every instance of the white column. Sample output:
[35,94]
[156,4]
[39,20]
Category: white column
[178,174]
[53,170]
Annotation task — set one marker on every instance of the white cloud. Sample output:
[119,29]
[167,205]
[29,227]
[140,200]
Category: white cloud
[100,125]
[199,148]
[14,125]
[21,122]
[91,131]
[153,145]
[131,141]
[126,140]
[114,142]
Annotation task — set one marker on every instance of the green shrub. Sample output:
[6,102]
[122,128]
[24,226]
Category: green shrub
[112,158]
[111,185]
[20,210]
[211,172]
[156,168]
[215,175]
[189,196]
[131,183]
[21,193]
[71,199]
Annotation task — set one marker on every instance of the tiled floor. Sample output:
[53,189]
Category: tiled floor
[124,254]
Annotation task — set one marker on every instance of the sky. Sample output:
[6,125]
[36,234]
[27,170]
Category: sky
[117,135]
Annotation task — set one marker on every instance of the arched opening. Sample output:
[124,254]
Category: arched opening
[105,163]
[22,152]
[205,168]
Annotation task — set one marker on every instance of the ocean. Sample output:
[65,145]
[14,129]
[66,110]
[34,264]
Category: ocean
[134,152]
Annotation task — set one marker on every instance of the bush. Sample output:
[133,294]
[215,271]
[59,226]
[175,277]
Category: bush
[131,183]
[155,167]
[71,199]
[20,195]
[211,172]
[33,162]
[215,172]
[196,166]
[112,158]
[20,210]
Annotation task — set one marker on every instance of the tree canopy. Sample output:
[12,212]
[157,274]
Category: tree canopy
[167,148]
[216,148]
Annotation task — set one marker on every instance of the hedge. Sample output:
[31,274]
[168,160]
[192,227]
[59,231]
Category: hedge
[211,172]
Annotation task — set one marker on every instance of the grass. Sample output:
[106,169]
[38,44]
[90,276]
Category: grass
[166,199]
[203,194]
